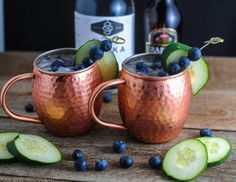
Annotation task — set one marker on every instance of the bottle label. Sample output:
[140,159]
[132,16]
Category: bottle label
[97,27]
[159,39]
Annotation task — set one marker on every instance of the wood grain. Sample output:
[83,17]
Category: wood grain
[214,108]
[97,144]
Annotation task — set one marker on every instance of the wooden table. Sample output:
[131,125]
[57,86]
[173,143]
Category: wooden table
[215,108]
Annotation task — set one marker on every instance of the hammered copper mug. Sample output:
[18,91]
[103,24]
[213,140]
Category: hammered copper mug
[153,109]
[60,99]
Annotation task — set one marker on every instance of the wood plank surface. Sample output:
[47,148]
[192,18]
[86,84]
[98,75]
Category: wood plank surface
[214,107]
[97,144]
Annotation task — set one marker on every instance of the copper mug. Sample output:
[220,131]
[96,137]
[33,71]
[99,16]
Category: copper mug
[153,109]
[60,99]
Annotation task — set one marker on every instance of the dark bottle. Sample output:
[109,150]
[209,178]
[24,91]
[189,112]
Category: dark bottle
[96,19]
[162,23]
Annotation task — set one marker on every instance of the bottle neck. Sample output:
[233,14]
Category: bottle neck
[166,2]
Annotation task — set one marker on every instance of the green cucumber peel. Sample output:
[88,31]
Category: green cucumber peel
[6,137]
[186,160]
[221,158]
[34,149]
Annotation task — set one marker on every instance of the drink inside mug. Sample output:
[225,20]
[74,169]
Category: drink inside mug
[61,62]
[150,66]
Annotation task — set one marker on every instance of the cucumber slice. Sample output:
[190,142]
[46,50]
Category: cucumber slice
[198,70]
[199,75]
[4,139]
[173,52]
[32,148]
[185,160]
[108,64]
[218,149]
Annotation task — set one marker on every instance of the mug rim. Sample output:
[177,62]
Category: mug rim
[146,77]
[55,73]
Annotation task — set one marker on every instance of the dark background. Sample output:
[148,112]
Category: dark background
[48,24]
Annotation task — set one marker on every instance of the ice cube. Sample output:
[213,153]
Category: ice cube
[68,60]
[44,64]
[65,69]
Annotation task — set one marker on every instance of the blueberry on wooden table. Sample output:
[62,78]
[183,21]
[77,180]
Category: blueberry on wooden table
[29,108]
[126,161]
[155,162]
[119,146]
[205,132]
[101,165]
[107,97]
[81,164]
[77,154]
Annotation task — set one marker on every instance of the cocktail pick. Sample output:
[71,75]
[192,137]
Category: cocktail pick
[213,40]
[116,39]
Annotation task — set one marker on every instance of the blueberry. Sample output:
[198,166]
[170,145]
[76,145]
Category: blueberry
[205,132]
[96,53]
[87,62]
[101,165]
[79,67]
[107,97]
[156,65]
[155,162]
[142,67]
[81,165]
[56,65]
[173,68]
[29,108]
[184,62]
[126,161]
[194,54]
[77,154]
[162,74]
[106,45]
[119,146]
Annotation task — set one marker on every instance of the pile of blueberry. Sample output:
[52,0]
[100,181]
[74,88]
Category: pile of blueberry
[95,53]
[173,68]
[194,54]
[119,146]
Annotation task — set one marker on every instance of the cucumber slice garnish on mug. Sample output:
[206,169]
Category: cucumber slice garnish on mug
[198,68]
[108,64]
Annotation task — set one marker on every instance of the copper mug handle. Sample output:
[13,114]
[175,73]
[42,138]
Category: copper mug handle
[3,94]
[92,100]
